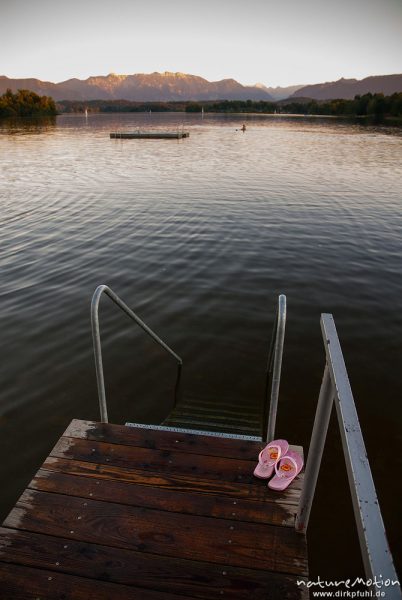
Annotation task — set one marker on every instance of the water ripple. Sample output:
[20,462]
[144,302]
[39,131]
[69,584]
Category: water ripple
[199,236]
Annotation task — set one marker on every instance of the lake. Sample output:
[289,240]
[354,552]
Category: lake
[199,236]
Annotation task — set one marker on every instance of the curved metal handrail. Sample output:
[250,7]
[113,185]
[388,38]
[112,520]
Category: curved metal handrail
[104,289]
[274,367]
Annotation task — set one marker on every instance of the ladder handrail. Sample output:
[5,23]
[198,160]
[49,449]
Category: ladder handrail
[104,289]
[273,373]
[377,558]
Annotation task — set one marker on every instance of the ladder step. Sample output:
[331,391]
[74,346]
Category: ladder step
[224,415]
[220,414]
[243,411]
[212,426]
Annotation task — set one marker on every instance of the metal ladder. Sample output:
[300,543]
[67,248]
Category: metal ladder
[202,414]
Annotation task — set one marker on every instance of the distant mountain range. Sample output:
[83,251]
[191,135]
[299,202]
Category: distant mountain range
[163,87]
[155,87]
[279,93]
[349,88]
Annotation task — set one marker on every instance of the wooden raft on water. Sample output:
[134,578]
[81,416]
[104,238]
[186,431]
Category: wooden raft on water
[117,512]
[150,135]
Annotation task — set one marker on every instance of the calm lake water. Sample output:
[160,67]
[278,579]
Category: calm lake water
[200,236]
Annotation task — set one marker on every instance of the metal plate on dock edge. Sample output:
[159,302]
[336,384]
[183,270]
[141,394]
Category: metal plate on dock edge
[234,436]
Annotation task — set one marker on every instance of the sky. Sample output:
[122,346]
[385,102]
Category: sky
[274,42]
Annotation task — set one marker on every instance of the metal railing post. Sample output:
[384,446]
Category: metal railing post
[274,368]
[315,452]
[98,354]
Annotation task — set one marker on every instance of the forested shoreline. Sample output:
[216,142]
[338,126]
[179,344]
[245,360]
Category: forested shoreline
[25,103]
[375,105]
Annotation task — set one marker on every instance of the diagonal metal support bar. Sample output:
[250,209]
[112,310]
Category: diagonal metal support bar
[318,437]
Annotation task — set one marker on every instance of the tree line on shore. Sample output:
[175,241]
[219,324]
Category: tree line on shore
[105,106]
[372,105]
[376,105]
[25,103]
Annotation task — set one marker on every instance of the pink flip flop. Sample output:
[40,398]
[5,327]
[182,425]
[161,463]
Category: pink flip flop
[269,456]
[286,469]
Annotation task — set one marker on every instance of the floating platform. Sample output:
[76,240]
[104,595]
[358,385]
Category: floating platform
[122,513]
[150,135]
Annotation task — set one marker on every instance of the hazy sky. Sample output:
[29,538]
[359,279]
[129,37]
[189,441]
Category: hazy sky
[275,42]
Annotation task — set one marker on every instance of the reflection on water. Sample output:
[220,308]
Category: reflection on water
[18,126]
[200,236]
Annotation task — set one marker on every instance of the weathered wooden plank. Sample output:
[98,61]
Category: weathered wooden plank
[258,491]
[207,467]
[168,462]
[164,440]
[196,579]
[249,545]
[23,583]
[184,501]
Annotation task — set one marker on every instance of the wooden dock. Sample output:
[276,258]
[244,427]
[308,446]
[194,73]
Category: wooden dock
[121,513]
[150,135]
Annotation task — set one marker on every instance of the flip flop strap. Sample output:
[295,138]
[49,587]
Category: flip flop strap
[260,456]
[292,460]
